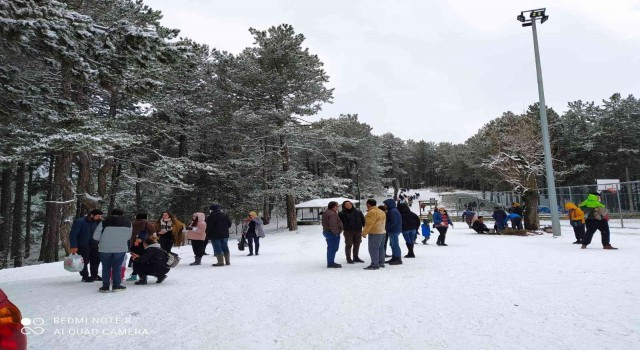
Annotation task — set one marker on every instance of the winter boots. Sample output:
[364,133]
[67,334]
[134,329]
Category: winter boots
[395,260]
[226,258]
[197,262]
[220,262]
[410,254]
[609,246]
[142,281]
[424,241]
[132,278]
[347,251]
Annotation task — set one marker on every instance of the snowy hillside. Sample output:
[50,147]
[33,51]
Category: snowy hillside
[480,292]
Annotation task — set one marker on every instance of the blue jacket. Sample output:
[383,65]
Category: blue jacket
[499,216]
[437,219]
[510,217]
[82,232]
[394,218]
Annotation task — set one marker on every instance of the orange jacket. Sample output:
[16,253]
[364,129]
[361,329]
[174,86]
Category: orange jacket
[575,213]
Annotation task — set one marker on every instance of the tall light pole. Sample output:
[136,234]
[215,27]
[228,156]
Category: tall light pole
[534,15]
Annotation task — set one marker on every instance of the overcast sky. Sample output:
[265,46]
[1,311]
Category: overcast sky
[438,70]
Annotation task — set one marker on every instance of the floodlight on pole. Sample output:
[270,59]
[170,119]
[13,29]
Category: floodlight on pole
[534,15]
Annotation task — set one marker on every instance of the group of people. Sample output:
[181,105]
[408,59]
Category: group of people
[107,242]
[382,224]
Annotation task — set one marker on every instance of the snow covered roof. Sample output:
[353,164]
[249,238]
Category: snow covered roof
[323,202]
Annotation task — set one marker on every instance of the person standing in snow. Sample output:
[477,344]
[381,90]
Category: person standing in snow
[141,230]
[426,231]
[331,230]
[255,231]
[386,235]
[353,222]
[112,235]
[168,230]
[410,226]
[467,216]
[393,226]
[596,220]
[81,242]
[441,222]
[197,233]
[576,218]
[375,228]
[218,224]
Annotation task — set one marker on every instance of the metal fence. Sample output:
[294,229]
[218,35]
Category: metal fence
[622,200]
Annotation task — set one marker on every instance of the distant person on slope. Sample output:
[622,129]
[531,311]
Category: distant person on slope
[441,222]
[81,242]
[374,228]
[394,229]
[218,224]
[576,219]
[410,226]
[255,231]
[353,222]
[596,220]
[331,230]
[112,235]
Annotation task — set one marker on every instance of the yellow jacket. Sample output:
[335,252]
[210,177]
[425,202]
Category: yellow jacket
[374,222]
[575,213]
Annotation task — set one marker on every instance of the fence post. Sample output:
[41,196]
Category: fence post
[620,208]
[570,195]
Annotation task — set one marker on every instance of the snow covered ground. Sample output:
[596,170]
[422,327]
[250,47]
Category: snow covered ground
[480,292]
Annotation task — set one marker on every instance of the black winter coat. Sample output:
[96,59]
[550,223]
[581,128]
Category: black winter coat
[410,220]
[218,224]
[352,220]
[154,259]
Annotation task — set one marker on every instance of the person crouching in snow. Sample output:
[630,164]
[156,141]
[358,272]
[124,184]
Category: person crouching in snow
[479,226]
[153,262]
[197,233]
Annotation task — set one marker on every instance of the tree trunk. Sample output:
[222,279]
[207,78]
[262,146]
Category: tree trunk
[531,202]
[266,207]
[67,206]
[138,189]
[27,235]
[115,180]
[292,221]
[86,201]
[44,245]
[18,212]
[102,177]
[5,213]
[394,183]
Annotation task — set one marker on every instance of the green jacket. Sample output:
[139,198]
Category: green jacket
[592,202]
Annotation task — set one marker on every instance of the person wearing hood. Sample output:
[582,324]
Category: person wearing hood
[394,229]
[331,230]
[255,231]
[153,262]
[197,233]
[441,222]
[112,235]
[576,219]
[410,226]
[352,222]
[218,224]
[596,220]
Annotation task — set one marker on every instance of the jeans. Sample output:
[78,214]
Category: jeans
[376,249]
[333,243]
[516,224]
[111,263]
[220,246]
[410,236]
[250,240]
[395,244]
